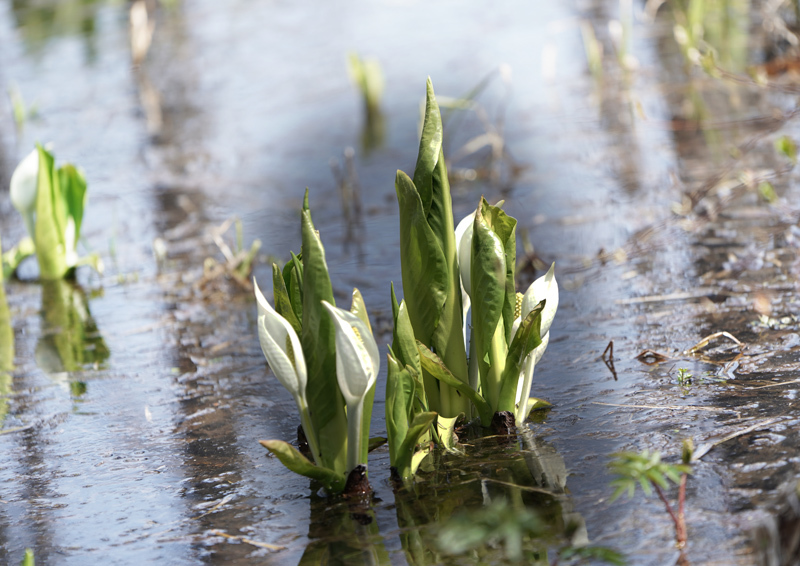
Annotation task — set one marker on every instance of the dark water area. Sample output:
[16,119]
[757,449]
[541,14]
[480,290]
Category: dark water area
[129,424]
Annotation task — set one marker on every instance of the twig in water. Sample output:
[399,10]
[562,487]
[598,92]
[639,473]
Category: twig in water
[609,361]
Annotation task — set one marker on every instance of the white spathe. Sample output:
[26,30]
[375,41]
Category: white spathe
[24,184]
[276,334]
[357,366]
[357,357]
[464,250]
[545,287]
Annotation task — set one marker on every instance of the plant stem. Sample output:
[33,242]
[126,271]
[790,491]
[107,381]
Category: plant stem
[672,515]
[308,428]
[493,382]
[355,416]
[680,531]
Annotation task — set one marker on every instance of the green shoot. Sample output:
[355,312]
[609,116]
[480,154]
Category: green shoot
[646,470]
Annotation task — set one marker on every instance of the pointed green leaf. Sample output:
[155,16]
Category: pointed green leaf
[283,304]
[430,146]
[325,402]
[404,345]
[366,421]
[293,278]
[299,464]
[73,188]
[526,339]
[424,269]
[435,367]
[488,276]
[399,406]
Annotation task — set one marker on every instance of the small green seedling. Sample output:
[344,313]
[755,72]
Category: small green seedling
[646,469]
[28,560]
[685,377]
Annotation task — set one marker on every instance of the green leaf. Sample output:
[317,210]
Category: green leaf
[404,345]
[50,220]
[366,421]
[526,339]
[283,304]
[73,189]
[406,461]
[445,430]
[13,257]
[299,464]
[325,401]
[430,147]
[293,278]
[488,276]
[399,407]
[435,367]
[423,265]
[28,559]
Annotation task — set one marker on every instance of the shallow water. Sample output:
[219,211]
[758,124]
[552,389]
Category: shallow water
[144,446]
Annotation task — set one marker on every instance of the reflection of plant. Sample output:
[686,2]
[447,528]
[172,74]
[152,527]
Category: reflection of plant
[515,527]
[70,339]
[648,471]
[326,357]
[445,270]
[366,74]
[51,201]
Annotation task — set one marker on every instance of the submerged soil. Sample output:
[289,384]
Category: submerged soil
[129,425]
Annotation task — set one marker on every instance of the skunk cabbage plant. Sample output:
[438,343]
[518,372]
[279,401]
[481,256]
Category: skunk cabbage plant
[51,201]
[455,279]
[325,357]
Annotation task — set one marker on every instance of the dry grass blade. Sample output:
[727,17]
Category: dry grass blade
[246,540]
[705,341]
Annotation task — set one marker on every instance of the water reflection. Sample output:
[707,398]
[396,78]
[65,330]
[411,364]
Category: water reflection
[70,339]
[46,20]
[523,472]
[342,534]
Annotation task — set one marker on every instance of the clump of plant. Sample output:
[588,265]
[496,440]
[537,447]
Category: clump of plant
[326,357]
[646,469]
[51,201]
[456,278]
